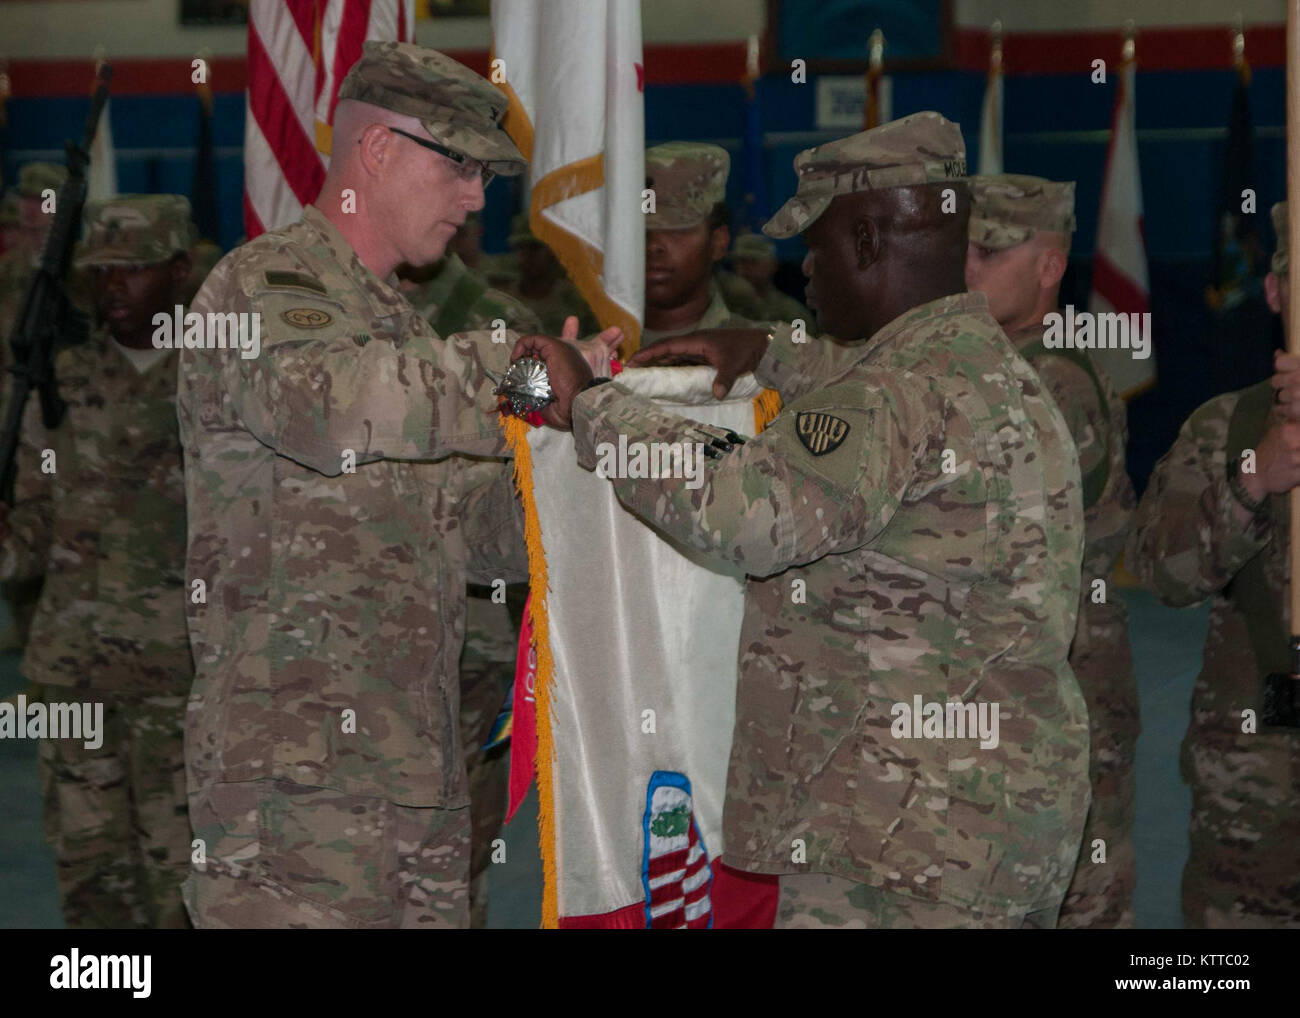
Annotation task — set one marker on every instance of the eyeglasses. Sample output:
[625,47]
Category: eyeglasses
[466,168]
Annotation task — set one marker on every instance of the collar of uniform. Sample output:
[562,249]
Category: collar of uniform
[1025,337]
[953,304]
[717,312]
[383,295]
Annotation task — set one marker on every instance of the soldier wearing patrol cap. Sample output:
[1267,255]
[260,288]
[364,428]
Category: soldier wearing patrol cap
[100,509]
[687,235]
[1210,526]
[922,494]
[541,285]
[1020,230]
[755,261]
[333,528]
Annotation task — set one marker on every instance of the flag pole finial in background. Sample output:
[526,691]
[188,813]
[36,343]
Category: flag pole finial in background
[875,64]
[995,49]
[1129,53]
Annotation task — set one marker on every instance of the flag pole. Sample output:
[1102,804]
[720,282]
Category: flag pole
[1293,282]
[875,63]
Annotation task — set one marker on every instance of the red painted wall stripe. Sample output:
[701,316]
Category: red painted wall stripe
[1158,49]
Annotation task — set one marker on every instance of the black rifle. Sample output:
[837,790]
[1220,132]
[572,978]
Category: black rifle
[48,319]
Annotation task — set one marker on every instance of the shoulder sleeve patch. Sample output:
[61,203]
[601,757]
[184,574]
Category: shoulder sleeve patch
[294,281]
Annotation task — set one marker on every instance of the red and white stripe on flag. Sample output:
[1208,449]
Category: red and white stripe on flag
[299,51]
[1120,280]
[679,887]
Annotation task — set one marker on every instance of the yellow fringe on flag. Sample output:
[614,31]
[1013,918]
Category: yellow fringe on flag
[767,404]
[517,441]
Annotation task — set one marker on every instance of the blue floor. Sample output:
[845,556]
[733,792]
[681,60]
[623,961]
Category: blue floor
[1167,648]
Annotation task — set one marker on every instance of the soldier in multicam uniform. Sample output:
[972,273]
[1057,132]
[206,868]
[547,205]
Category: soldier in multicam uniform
[327,775]
[1019,248]
[912,526]
[541,284]
[1208,526]
[104,518]
[17,265]
[685,237]
[755,261]
[455,298]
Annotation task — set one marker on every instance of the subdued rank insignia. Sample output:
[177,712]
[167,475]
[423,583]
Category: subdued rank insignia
[820,433]
[307,318]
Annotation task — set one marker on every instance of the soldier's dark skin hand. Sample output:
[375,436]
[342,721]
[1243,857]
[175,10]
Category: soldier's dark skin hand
[731,352]
[568,370]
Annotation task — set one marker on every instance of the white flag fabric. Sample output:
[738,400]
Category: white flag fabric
[1120,281]
[991,126]
[644,637]
[101,178]
[572,70]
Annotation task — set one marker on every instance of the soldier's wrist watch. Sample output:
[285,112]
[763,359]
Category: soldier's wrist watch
[598,380]
[1238,488]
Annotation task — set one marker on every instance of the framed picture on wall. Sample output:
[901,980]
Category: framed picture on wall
[831,35]
[214,12]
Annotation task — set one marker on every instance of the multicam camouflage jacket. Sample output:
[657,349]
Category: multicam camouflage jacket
[1100,656]
[913,529]
[334,587]
[1193,540]
[100,509]
[458,299]
[718,315]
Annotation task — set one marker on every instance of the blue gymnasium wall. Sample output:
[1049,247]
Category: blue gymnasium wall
[1056,126]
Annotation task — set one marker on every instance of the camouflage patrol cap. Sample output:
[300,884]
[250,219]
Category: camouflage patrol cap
[520,232]
[688,179]
[1281,261]
[751,245]
[34,178]
[458,108]
[1009,208]
[9,212]
[923,148]
[135,229]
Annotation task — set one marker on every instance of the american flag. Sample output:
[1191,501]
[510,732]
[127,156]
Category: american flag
[299,51]
[676,875]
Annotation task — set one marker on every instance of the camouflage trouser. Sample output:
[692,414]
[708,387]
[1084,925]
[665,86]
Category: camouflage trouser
[486,667]
[1100,895]
[115,816]
[22,596]
[277,855]
[818,901]
[1243,871]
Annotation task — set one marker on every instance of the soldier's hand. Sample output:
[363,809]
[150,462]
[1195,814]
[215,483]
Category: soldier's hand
[1286,384]
[732,352]
[598,350]
[1277,461]
[568,370]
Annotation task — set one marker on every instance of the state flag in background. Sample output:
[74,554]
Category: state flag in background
[573,73]
[991,115]
[101,177]
[299,52]
[1120,280]
[1237,246]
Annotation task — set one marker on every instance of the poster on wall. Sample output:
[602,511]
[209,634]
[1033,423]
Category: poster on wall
[214,12]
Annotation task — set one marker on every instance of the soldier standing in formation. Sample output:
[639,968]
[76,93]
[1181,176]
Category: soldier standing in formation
[1019,248]
[686,235]
[542,285]
[927,497]
[1212,523]
[100,509]
[755,260]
